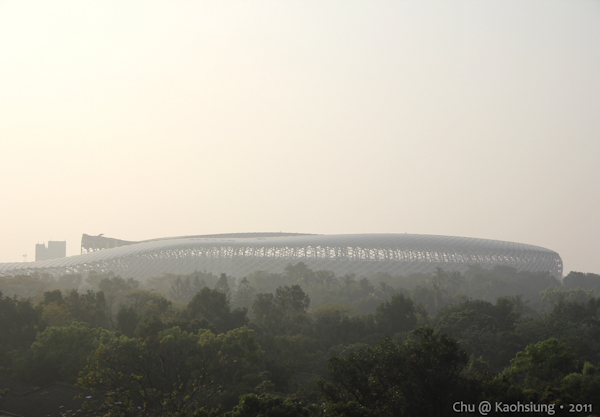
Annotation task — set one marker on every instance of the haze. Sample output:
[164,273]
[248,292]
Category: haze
[149,119]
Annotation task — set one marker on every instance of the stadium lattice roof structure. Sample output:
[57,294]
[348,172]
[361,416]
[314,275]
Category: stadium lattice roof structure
[239,254]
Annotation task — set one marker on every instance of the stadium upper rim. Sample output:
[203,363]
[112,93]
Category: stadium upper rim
[239,254]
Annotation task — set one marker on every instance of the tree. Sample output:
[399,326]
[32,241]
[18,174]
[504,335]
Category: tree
[299,273]
[266,312]
[149,326]
[176,285]
[69,282]
[439,283]
[60,353]
[283,313]
[328,278]
[582,388]
[419,378]
[587,281]
[521,306]
[428,297]
[53,297]
[139,307]
[183,290]
[223,286]
[349,409]
[398,315]
[366,287]
[54,310]
[454,281]
[176,372]
[112,288]
[116,284]
[265,282]
[552,296]
[477,313]
[245,294]
[252,405]
[25,286]
[127,320]
[89,307]
[543,364]
[56,314]
[19,323]
[349,279]
[483,329]
[292,300]
[213,306]
[330,325]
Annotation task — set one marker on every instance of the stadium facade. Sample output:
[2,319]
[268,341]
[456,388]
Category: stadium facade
[239,254]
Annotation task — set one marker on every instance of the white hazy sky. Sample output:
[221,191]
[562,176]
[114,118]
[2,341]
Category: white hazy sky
[147,119]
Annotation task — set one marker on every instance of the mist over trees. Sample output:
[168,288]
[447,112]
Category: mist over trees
[306,343]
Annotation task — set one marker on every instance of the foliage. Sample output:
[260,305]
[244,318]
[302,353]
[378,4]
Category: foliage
[252,405]
[180,288]
[89,307]
[284,312]
[553,296]
[543,364]
[114,288]
[183,289]
[175,372]
[582,388]
[138,309]
[188,359]
[245,294]
[502,281]
[223,286]
[582,280]
[212,307]
[286,357]
[60,353]
[25,286]
[333,327]
[56,314]
[19,322]
[421,377]
[398,315]
[477,313]
[266,282]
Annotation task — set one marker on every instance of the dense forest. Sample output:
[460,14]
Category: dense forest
[309,343]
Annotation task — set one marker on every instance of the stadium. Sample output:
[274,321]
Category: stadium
[239,254]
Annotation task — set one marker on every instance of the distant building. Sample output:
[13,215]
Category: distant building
[94,243]
[240,254]
[55,249]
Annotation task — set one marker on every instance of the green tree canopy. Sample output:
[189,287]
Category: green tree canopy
[284,312]
[213,307]
[60,353]
[175,372]
[544,363]
[397,315]
[419,378]
[252,405]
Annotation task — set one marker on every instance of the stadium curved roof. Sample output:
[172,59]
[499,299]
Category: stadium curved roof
[243,253]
